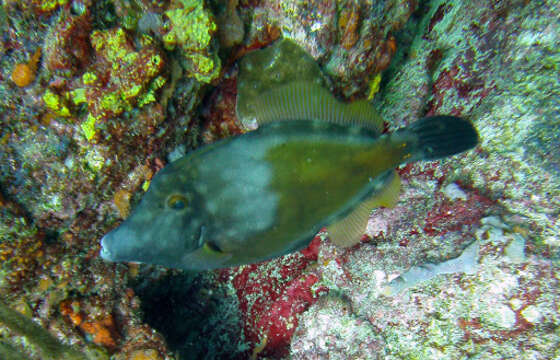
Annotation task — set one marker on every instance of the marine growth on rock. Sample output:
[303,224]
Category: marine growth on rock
[97,97]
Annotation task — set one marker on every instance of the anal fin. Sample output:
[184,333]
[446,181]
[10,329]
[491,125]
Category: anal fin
[348,231]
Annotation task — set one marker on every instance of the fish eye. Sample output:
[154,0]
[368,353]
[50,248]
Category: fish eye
[177,201]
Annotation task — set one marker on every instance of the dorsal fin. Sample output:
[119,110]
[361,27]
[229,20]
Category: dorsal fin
[348,231]
[365,115]
[303,100]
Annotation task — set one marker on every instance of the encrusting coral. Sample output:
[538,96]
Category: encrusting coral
[24,74]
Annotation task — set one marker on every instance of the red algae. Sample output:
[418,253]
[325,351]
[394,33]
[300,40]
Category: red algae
[272,295]
[68,47]
[220,115]
[451,215]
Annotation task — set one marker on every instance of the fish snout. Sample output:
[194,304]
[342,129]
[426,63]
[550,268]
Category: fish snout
[105,253]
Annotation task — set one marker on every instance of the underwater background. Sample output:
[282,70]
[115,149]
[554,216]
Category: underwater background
[97,96]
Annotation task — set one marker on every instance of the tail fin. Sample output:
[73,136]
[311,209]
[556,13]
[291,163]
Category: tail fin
[435,137]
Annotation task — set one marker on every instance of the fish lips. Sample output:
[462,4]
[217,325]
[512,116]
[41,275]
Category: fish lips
[114,245]
[104,252]
[121,244]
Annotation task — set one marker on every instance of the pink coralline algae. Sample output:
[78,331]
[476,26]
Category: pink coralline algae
[221,120]
[465,88]
[451,215]
[272,296]
[68,49]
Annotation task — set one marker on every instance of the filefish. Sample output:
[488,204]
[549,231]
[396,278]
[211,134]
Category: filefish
[313,162]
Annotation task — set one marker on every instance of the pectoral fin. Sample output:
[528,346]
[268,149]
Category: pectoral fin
[205,257]
[348,231]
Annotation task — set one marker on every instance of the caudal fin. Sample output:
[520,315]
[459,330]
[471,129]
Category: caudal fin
[434,137]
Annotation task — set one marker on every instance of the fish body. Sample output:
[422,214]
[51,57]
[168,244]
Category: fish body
[265,193]
[252,197]
[312,162]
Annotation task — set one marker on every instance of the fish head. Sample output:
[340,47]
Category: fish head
[167,224]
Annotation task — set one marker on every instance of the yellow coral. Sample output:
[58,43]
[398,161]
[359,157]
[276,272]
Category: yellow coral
[374,86]
[191,28]
[55,103]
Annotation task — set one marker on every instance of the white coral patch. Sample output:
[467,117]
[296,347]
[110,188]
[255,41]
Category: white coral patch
[454,192]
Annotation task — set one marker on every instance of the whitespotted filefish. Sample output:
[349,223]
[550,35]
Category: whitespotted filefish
[313,162]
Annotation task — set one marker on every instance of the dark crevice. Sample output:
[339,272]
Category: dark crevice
[404,39]
[194,313]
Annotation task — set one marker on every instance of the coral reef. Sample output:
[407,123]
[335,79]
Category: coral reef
[67,46]
[119,79]
[351,39]
[101,330]
[465,59]
[115,95]
[58,188]
[21,248]
[516,164]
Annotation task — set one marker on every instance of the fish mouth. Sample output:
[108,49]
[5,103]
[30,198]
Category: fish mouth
[104,252]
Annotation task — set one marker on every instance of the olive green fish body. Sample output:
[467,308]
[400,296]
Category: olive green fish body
[253,197]
[313,162]
[296,177]
[267,192]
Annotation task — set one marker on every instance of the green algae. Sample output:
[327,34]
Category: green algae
[89,78]
[50,5]
[191,29]
[78,96]
[55,103]
[88,127]
[131,75]
[149,96]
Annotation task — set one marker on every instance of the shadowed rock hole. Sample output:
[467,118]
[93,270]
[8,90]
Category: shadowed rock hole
[195,313]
